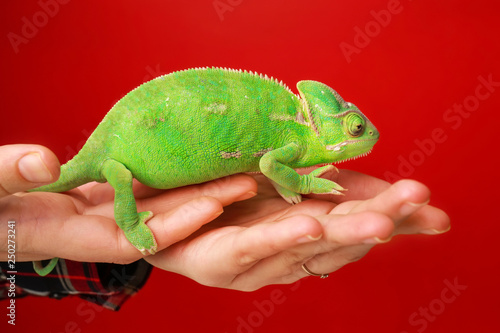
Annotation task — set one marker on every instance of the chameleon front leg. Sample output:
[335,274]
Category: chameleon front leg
[126,216]
[288,182]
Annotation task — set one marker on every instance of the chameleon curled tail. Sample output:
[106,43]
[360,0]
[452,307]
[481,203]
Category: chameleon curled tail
[42,271]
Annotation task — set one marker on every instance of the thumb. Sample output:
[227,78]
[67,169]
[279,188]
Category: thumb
[24,167]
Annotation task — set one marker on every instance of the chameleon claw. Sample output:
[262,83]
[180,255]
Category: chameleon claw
[293,200]
[337,188]
[330,167]
[324,169]
[145,252]
[338,192]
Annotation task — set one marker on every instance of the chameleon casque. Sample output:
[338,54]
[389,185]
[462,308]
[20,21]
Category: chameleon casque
[200,124]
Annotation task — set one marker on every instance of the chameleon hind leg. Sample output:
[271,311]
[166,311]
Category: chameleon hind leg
[127,218]
[42,271]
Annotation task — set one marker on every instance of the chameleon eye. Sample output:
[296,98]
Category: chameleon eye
[354,124]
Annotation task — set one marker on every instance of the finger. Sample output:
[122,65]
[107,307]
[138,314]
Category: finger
[265,240]
[340,232]
[257,244]
[347,239]
[176,225]
[237,249]
[428,220]
[330,262]
[96,238]
[356,228]
[399,201]
[24,167]
[97,193]
[227,190]
[359,186]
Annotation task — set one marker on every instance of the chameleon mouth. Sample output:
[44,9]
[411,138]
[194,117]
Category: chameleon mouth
[339,146]
[344,160]
[355,157]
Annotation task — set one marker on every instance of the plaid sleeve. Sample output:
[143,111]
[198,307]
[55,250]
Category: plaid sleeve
[108,285]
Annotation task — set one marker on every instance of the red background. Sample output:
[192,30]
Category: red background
[405,74]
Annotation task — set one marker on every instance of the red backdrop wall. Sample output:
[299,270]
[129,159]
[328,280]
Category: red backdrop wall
[425,72]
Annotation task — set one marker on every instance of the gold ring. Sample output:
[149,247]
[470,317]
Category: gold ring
[321,276]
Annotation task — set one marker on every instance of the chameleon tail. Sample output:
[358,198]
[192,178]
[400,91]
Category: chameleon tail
[78,171]
[42,271]
[72,176]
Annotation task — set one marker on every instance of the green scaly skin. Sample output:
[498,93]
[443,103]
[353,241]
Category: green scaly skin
[201,124]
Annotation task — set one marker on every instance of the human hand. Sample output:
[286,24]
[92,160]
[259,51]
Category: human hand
[79,224]
[243,249]
[264,240]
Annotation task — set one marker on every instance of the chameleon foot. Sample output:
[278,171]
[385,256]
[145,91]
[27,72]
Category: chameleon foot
[315,185]
[141,236]
[324,186]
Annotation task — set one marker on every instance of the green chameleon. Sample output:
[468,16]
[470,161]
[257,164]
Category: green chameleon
[201,124]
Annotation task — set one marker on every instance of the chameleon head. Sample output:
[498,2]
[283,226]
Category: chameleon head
[342,132]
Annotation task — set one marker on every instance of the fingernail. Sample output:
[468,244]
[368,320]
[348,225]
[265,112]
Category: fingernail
[33,169]
[217,214]
[309,238]
[410,207]
[418,204]
[435,231]
[376,240]
[246,196]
